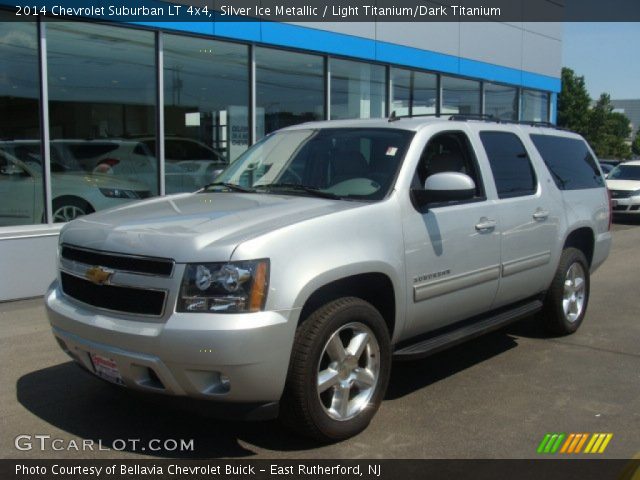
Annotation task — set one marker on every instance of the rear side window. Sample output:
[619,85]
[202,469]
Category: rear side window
[510,164]
[91,150]
[570,162]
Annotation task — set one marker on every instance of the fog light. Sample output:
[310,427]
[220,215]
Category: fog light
[225,383]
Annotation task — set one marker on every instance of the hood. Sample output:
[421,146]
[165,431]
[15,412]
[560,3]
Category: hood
[623,185]
[196,226]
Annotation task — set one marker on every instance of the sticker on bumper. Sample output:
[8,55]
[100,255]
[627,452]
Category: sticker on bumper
[106,368]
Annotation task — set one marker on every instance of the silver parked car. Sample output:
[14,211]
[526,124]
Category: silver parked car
[75,193]
[323,251]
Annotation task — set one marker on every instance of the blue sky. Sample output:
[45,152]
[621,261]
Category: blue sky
[607,55]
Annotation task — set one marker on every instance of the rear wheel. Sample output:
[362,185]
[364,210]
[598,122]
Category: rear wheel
[339,370]
[567,298]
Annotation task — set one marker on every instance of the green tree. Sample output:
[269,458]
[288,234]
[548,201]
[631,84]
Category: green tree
[635,146]
[607,131]
[573,103]
[620,125]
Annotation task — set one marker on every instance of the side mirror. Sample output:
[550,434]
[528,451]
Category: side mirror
[445,187]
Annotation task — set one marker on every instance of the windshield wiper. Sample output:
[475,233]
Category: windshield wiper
[301,188]
[231,186]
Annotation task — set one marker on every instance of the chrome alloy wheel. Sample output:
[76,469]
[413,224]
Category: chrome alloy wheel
[67,213]
[574,294]
[347,376]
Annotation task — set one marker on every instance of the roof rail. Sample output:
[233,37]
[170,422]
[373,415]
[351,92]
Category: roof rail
[457,117]
[394,118]
[542,124]
[482,117]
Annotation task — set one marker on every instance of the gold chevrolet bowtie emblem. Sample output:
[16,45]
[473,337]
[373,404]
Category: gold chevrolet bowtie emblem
[98,275]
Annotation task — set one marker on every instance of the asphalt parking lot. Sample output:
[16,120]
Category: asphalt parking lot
[494,397]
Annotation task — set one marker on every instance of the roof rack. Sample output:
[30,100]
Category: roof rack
[456,117]
[542,124]
[394,118]
[463,117]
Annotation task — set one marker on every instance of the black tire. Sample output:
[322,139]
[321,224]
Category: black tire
[555,319]
[76,205]
[302,406]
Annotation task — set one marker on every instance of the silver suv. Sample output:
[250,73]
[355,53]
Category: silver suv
[324,251]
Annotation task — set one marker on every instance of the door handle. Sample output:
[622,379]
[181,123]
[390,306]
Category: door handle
[540,215]
[485,224]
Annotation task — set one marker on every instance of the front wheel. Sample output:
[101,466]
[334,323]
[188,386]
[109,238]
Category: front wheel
[566,302]
[66,209]
[339,370]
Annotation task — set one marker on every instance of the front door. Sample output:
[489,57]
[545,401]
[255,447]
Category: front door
[452,250]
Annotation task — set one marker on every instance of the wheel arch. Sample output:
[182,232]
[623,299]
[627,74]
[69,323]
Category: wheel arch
[374,287]
[582,238]
[75,198]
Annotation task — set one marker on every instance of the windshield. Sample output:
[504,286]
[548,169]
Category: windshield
[625,172]
[340,163]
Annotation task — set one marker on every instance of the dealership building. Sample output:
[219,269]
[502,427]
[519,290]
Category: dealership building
[96,114]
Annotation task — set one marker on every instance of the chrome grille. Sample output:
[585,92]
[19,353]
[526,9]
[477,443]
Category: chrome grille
[115,298]
[117,261]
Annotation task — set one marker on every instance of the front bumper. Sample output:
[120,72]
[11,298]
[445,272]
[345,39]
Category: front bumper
[239,358]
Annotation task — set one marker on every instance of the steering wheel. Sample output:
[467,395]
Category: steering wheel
[355,186]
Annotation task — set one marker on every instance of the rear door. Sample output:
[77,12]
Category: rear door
[574,170]
[529,217]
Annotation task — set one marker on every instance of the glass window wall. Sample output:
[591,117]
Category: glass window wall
[102,110]
[413,93]
[21,164]
[289,89]
[460,96]
[357,89]
[535,106]
[501,101]
[206,113]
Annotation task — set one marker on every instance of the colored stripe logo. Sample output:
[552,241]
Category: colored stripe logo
[573,443]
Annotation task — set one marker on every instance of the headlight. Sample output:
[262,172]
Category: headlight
[119,193]
[235,287]
[636,193]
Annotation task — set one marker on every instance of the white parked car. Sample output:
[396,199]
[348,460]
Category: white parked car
[130,159]
[195,158]
[624,184]
[75,193]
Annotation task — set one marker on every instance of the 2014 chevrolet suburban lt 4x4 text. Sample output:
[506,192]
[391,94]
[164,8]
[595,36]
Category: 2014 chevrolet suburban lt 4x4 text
[326,249]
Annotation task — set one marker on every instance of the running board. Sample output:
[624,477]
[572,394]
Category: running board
[442,341]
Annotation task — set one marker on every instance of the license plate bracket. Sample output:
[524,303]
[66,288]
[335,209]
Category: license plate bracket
[106,368]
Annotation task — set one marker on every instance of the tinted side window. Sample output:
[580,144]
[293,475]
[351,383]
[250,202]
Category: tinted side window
[510,164]
[449,152]
[570,162]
